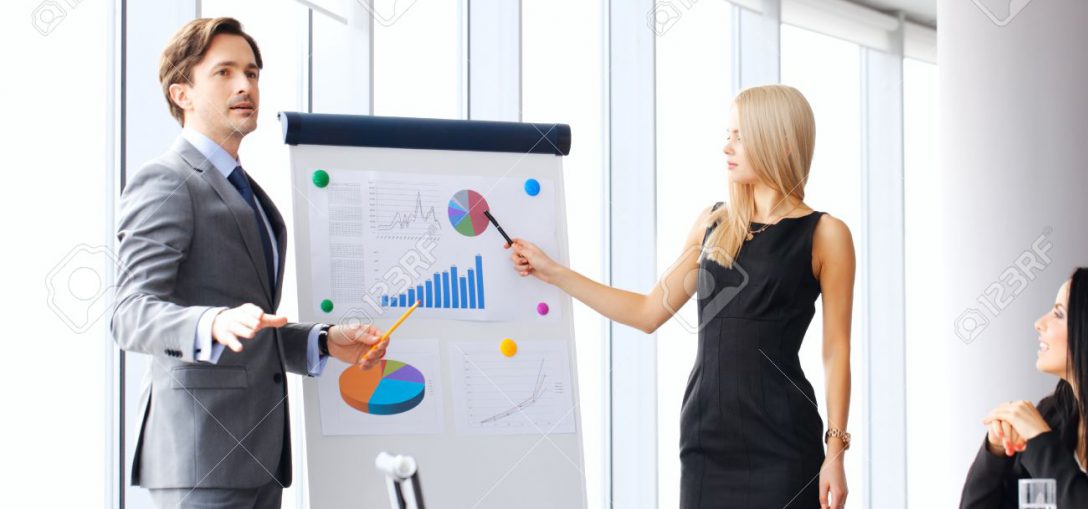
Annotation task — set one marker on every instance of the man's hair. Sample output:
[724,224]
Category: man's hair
[187,48]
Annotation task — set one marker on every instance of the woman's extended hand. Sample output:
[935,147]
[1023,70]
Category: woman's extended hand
[1013,424]
[833,483]
[530,260]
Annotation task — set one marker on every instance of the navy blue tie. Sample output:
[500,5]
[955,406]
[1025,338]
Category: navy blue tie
[238,179]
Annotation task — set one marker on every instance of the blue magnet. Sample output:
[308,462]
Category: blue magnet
[532,187]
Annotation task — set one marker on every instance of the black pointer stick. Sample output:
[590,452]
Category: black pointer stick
[496,223]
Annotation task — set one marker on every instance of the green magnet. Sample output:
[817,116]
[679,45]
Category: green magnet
[326,305]
[321,178]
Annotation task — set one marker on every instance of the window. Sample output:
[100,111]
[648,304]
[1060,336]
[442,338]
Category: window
[418,60]
[921,220]
[828,72]
[693,99]
[418,69]
[562,82]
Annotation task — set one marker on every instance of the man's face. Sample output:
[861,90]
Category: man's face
[222,99]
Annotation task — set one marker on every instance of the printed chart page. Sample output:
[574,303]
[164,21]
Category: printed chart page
[400,395]
[527,393]
[387,240]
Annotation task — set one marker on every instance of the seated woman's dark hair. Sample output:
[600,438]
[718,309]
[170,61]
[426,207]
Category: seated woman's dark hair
[1063,410]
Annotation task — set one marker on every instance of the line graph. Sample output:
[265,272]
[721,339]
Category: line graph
[525,394]
[401,220]
[538,391]
[403,210]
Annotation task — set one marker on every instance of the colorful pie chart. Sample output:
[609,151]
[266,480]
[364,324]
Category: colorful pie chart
[466,212]
[390,387]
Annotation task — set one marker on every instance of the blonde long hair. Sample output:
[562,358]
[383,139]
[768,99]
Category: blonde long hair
[779,136]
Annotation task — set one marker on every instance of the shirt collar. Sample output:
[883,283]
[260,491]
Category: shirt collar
[211,151]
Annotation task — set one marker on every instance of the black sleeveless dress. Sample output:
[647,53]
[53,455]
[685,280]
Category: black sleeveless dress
[750,433]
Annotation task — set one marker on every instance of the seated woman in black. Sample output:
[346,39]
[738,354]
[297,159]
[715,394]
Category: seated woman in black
[1047,442]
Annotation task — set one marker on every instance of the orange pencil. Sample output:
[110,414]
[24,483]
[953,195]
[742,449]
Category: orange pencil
[385,337]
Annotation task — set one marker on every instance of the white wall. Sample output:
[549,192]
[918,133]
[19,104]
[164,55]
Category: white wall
[1012,117]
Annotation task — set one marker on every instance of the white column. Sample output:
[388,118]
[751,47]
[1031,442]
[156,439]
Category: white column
[1011,197]
[756,44]
[494,60]
[632,244]
[880,295]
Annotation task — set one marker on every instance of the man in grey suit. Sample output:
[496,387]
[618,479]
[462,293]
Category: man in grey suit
[202,249]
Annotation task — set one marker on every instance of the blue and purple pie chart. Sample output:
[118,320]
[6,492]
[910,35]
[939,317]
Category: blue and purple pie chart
[389,387]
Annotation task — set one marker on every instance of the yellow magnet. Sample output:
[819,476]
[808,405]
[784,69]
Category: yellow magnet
[508,347]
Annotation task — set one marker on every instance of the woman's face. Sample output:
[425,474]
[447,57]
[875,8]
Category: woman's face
[1053,336]
[740,171]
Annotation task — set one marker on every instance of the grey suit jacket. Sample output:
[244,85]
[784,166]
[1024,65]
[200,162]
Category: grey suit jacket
[188,243]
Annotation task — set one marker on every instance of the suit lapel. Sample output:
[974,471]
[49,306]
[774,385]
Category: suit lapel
[243,215]
[280,231]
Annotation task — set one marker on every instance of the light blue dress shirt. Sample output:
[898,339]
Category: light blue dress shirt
[204,348]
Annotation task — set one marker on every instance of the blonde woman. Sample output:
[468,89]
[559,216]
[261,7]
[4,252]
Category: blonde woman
[751,434]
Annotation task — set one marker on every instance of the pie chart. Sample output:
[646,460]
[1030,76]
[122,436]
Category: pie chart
[390,387]
[466,212]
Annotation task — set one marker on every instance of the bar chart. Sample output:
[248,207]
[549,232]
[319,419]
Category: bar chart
[450,289]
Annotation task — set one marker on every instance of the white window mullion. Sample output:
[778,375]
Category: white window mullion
[631,248]
[756,45]
[494,60]
[883,295]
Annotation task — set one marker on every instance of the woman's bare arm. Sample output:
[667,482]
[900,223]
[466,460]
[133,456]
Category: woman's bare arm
[645,312]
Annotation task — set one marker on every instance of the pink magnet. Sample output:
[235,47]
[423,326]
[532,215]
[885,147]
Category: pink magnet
[542,308]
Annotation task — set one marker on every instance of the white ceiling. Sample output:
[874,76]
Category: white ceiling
[921,11]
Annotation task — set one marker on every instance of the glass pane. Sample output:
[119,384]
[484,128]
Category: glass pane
[828,72]
[341,71]
[921,182]
[418,60]
[562,81]
[693,98]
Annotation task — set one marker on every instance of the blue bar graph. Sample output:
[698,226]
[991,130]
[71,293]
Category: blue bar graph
[479,282]
[455,288]
[464,291]
[456,294]
[437,290]
[445,289]
[471,290]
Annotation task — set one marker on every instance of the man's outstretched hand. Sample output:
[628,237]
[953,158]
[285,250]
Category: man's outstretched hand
[349,343]
[243,322]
